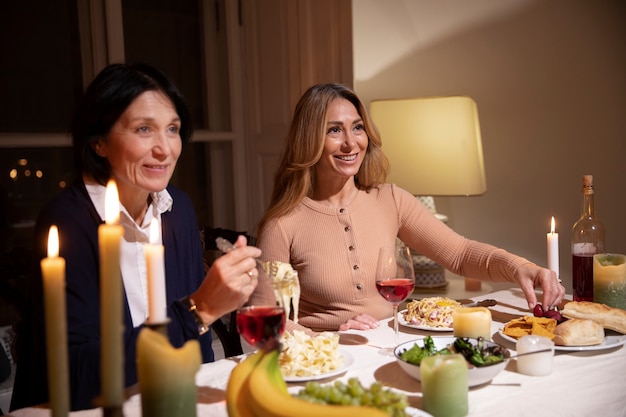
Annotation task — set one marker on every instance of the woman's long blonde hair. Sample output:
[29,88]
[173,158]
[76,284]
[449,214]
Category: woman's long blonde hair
[295,177]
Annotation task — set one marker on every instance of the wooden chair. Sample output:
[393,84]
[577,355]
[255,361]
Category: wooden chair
[226,326]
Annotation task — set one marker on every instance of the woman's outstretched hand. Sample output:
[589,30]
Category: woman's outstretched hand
[530,276]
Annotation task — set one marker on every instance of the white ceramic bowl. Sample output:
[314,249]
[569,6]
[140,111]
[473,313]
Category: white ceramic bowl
[475,375]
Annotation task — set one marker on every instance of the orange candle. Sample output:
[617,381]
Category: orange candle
[53,272]
[157,310]
[111,321]
[472,322]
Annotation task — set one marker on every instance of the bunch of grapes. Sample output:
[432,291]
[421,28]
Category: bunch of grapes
[353,393]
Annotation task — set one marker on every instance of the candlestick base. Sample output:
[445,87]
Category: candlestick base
[113,411]
[160,327]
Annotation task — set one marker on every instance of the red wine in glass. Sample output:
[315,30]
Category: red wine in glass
[395,281]
[395,290]
[261,326]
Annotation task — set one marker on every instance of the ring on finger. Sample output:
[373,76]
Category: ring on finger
[250,274]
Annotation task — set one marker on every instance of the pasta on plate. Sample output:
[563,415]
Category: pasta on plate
[303,355]
[431,312]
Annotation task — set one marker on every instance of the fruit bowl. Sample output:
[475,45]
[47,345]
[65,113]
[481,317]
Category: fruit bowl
[475,375]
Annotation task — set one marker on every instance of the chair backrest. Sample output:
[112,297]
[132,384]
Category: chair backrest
[226,326]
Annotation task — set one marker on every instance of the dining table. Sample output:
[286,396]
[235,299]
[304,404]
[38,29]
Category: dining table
[584,382]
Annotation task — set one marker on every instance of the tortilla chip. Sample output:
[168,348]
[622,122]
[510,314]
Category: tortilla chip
[541,326]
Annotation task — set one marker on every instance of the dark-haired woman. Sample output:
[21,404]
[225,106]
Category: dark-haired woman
[131,127]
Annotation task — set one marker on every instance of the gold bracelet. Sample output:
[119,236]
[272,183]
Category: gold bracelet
[202,326]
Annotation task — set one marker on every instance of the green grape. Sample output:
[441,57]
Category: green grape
[354,393]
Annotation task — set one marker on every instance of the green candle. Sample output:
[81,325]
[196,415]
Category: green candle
[444,385]
[609,279]
[167,375]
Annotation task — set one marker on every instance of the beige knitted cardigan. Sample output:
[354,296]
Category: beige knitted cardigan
[334,251]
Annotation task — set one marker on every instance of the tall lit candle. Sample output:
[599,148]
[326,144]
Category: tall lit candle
[112,328]
[553,249]
[53,273]
[157,310]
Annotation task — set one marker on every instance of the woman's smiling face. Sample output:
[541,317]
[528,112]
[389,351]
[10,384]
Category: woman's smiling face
[345,143]
[144,144]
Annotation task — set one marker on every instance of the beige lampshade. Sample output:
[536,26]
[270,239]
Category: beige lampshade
[433,144]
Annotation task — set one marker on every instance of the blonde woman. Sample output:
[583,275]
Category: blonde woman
[331,210]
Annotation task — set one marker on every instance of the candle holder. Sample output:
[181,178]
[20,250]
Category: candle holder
[160,327]
[113,411]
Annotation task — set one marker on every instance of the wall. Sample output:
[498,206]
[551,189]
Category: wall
[549,80]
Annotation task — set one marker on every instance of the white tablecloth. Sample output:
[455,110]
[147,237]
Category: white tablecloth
[589,383]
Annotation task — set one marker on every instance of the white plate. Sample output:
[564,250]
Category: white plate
[610,342]
[405,323]
[348,360]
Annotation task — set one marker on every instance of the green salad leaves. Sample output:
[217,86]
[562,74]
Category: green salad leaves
[479,354]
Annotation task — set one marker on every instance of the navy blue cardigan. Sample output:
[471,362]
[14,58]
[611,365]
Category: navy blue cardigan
[77,220]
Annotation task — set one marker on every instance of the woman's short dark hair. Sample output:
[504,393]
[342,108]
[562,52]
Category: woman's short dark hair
[106,99]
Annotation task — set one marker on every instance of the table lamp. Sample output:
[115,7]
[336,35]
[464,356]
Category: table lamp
[434,149]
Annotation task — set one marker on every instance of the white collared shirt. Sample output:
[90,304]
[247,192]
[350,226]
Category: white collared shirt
[132,258]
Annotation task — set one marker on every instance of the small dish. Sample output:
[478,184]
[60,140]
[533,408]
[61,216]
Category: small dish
[475,375]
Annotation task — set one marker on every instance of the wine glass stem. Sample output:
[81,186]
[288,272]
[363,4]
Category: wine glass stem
[395,323]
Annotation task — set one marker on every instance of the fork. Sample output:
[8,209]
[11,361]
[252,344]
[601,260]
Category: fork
[226,246]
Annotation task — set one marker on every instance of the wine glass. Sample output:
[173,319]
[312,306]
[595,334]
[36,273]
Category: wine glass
[395,280]
[261,326]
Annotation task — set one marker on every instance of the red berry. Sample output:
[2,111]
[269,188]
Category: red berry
[538,310]
[554,314]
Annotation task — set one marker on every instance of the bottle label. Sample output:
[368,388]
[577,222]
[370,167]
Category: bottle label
[586,248]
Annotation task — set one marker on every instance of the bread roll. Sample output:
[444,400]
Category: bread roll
[578,332]
[608,317]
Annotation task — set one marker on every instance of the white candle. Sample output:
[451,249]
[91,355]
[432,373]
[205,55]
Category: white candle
[157,310]
[111,321]
[53,273]
[539,364]
[553,250]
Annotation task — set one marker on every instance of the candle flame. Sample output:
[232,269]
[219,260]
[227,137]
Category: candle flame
[53,242]
[154,231]
[111,204]
[552,225]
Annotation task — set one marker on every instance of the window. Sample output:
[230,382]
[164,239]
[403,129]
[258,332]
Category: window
[44,72]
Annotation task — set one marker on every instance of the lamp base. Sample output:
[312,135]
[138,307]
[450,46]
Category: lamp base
[428,273]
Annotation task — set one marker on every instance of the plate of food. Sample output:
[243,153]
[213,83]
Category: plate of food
[485,358]
[314,375]
[307,358]
[571,330]
[431,313]
[610,341]
[402,321]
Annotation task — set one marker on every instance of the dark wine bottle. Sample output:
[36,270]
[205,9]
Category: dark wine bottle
[587,240]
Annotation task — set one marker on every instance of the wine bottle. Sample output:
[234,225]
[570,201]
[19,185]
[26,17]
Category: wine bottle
[587,240]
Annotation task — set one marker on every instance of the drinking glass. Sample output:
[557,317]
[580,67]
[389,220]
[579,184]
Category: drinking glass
[395,280]
[261,326]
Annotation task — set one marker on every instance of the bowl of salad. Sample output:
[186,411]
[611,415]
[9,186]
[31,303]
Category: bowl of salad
[485,359]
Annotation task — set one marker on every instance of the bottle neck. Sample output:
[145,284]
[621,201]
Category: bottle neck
[588,206]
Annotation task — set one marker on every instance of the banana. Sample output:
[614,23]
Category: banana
[266,398]
[235,398]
